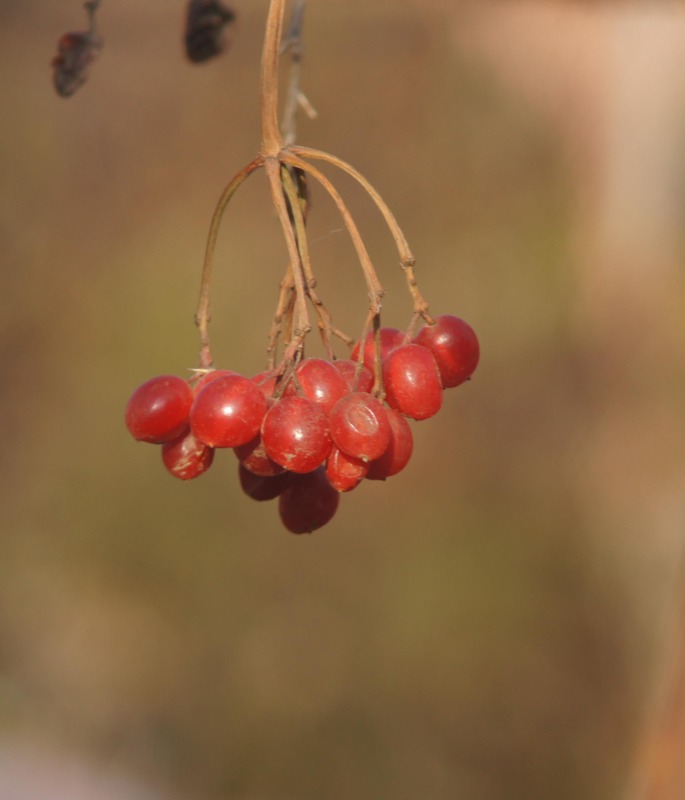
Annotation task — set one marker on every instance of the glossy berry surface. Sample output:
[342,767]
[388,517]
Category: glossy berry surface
[412,382]
[357,380]
[295,434]
[262,487]
[359,426]
[455,347]
[319,381]
[157,411]
[390,339]
[186,457]
[252,455]
[398,452]
[308,503]
[210,376]
[344,472]
[228,412]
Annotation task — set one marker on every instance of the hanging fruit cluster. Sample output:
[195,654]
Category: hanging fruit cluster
[306,429]
[318,432]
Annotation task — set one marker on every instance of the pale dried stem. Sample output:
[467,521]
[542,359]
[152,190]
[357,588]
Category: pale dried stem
[272,141]
[302,326]
[326,326]
[373,320]
[286,301]
[407,259]
[202,315]
[376,291]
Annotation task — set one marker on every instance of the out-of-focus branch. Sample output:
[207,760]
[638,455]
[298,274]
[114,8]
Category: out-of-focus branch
[295,97]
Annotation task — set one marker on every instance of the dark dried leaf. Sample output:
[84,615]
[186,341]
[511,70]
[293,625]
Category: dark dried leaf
[205,29]
[76,51]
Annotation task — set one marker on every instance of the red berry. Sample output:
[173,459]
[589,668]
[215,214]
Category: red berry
[344,472]
[361,381]
[412,381]
[398,452]
[319,381]
[157,411]
[208,377]
[390,339]
[262,487]
[295,434]
[455,347]
[227,412]
[252,456]
[308,503]
[359,426]
[266,381]
[186,457]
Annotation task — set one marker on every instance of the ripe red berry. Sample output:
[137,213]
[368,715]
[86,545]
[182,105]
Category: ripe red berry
[186,457]
[359,426]
[344,472]
[390,339]
[308,503]
[228,412]
[208,377]
[398,451]
[455,348]
[157,411]
[266,381]
[319,381]
[358,380]
[252,456]
[412,381]
[295,434]
[262,487]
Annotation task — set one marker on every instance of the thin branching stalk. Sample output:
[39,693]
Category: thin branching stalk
[407,259]
[375,289]
[326,326]
[302,325]
[202,316]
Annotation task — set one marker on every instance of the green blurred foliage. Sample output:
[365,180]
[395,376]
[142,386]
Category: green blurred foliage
[455,632]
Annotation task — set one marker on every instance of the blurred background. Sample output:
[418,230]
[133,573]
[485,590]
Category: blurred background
[494,622]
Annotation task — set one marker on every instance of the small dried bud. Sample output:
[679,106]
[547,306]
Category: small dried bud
[205,29]
[76,51]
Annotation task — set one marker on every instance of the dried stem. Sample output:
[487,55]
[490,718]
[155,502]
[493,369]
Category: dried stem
[202,316]
[91,7]
[302,326]
[272,141]
[407,259]
[326,326]
[284,309]
[376,291]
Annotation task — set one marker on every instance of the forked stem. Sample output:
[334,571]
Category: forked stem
[302,325]
[326,326]
[376,291]
[407,259]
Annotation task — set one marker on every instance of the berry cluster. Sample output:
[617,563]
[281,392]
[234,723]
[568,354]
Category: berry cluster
[317,429]
[306,429]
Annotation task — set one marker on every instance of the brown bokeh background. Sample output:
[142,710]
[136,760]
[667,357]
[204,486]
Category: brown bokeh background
[493,623]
